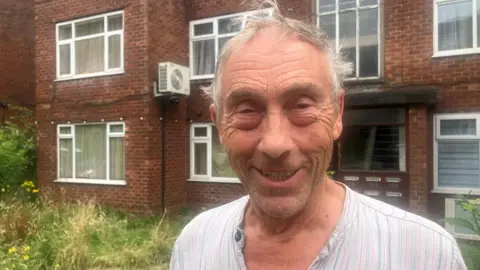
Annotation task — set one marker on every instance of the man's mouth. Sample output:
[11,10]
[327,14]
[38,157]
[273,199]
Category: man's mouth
[278,176]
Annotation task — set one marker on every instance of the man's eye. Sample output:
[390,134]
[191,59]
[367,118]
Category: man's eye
[302,106]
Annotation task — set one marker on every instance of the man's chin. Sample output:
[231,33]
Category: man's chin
[279,207]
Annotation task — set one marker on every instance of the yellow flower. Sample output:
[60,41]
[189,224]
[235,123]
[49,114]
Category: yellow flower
[3,189]
[35,190]
[13,266]
[12,250]
[25,257]
[57,265]
[29,189]
[26,248]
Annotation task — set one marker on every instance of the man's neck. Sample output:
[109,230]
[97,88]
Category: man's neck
[322,211]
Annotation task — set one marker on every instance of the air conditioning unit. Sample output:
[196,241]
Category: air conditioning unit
[173,79]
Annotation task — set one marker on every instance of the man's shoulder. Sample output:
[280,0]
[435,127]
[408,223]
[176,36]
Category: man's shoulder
[213,220]
[394,218]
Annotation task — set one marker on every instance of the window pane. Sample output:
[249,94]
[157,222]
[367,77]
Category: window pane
[229,25]
[368,2]
[203,29]
[65,130]
[458,127]
[347,35]
[116,128]
[455,26]
[326,5]
[374,148]
[458,164]
[117,158]
[90,152]
[327,23]
[478,23]
[203,57]
[220,163]
[89,27]
[89,55]
[65,158]
[200,132]
[64,59]
[115,22]
[374,117]
[344,4]
[114,51]
[200,158]
[368,41]
[65,32]
[222,42]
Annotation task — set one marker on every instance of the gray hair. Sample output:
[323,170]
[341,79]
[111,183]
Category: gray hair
[309,33]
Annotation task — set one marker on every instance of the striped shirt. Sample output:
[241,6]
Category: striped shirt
[369,235]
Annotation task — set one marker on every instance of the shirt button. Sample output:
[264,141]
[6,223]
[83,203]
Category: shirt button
[238,236]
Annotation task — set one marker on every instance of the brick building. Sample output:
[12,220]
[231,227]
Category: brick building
[17,41]
[411,107]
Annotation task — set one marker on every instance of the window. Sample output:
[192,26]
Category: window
[457,163]
[374,140]
[354,26]
[455,210]
[208,160]
[456,27]
[208,36]
[90,46]
[91,153]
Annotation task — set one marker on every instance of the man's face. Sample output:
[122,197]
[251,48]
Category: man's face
[277,120]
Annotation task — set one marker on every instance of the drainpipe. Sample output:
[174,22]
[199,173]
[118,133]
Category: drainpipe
[164,133]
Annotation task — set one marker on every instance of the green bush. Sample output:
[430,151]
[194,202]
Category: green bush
[17,150]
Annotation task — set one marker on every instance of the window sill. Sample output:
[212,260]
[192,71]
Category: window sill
[454,191]
[456,53]
[93,182]
[215,180]
[471,237]
[88,76]
[352,81]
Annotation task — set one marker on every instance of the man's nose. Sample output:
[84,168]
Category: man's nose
[276,140]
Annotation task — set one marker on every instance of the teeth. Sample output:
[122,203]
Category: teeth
[278,176]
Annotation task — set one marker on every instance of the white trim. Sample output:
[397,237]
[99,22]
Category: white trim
[93,181]
[71,136]
[473,50]
[437,136]
[357,9]
[450,213]
[208,141]
[215,36]
[106,34]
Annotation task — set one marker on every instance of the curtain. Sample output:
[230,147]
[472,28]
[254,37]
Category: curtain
[66,158]
[89,53]
[90,152]
[114,44]
[203,57]
[117,158]
[220,163]
[455,26]
[200,156]
[65,59]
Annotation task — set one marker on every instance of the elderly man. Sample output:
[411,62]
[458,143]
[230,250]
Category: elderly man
[278,103]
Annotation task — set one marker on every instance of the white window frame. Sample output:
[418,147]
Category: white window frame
[450,213]
[473,50]
[71,136]
[208,141]
[437,136]
[215,36]
[358,8]
[106,34]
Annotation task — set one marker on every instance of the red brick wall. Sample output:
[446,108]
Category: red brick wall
[17,42]
[150,36]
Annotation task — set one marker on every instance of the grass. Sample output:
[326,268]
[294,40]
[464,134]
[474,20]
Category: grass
[471,252]
[53,235]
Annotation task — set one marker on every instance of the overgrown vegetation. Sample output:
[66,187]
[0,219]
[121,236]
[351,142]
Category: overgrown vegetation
[17,152]
[470,249]
[54,235]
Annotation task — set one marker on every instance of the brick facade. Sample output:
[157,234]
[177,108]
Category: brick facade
[17,42]
[157,31]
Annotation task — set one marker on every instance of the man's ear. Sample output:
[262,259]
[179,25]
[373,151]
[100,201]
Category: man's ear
[213,116]
[338,127]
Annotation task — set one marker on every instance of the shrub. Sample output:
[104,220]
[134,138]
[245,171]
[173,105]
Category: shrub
[17,150]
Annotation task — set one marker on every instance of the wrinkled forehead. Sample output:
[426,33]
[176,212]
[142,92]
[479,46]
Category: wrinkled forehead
[272,62]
